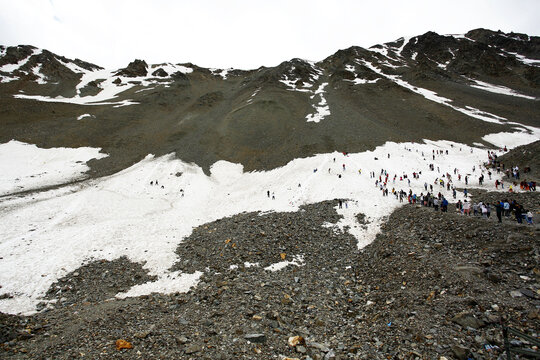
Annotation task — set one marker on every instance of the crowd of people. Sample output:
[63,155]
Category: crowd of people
[445,183]
[478,209]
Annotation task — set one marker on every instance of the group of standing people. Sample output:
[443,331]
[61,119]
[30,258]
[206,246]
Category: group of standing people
[502,208]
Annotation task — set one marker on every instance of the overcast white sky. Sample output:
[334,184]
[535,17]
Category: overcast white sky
[242,34]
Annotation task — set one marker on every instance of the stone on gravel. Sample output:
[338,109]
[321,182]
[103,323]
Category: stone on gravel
[255,338]
[193,348]
[466,320]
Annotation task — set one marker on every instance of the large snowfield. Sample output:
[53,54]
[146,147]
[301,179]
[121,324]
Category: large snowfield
[44,235]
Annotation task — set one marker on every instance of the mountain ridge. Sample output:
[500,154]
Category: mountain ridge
[427,86]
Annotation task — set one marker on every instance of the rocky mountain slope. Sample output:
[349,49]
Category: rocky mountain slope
[430,86]
[275,284]
[431,285]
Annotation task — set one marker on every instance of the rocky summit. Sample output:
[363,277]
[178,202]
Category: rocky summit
[286,275]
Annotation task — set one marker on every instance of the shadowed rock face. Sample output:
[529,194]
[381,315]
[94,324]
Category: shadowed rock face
[14,54]
[160,72]
[259,117]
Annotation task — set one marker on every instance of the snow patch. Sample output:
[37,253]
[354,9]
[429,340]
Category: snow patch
[41,79]
[109,90]
[498,89]
[80,117]
[73,67]
[513,139]
[523,59]
[6,79]
[381,49]
[167,284]
[350,68]
[221,72]
[358,81]
[291,85]
[298,260]
[26,167]
[321,109]
[461,36]
[250,100]
[171,68]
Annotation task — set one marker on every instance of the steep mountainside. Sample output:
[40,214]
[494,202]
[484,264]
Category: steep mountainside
[430,86]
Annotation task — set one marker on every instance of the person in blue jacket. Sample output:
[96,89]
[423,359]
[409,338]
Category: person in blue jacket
[444,205]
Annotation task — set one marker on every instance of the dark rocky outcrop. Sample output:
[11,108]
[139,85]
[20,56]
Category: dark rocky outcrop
[135,68]
[160,72]
[511,42]
[15,54]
